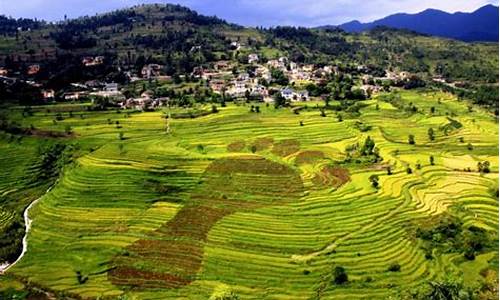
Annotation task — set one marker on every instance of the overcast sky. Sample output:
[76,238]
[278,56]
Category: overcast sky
[248,12]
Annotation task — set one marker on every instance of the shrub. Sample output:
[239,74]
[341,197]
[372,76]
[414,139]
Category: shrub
[394,267]
[469,254]
[411,139]
[340,275]
[374,180]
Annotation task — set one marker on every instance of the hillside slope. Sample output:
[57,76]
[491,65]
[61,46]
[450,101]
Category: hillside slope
[181,39]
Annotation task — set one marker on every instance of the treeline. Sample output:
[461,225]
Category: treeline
[9,26]
[483,95]
[311,46]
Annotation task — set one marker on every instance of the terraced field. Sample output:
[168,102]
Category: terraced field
[255,203]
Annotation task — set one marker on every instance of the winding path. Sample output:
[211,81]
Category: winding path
[27,221]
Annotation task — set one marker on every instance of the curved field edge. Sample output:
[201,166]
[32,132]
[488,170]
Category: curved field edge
[125,190]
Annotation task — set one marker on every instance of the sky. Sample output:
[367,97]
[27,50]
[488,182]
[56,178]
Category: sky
[248,12]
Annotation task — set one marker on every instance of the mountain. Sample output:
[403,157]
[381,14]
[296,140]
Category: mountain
[480,25]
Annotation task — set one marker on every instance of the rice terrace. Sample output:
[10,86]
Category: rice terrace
[356,180]
[170,215]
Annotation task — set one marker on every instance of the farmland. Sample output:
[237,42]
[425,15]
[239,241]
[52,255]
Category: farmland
[261,205]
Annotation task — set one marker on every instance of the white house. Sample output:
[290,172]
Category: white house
[292,95]
[253,58]
[111,87]
[287,93]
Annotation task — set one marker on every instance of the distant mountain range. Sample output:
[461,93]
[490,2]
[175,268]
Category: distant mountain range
[480,25]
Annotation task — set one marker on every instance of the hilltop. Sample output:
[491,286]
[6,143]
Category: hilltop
[170,33]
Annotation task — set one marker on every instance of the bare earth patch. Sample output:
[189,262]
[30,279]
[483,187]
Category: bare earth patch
[262,144]
[236,146]
[172,256]
[286,147]
[331,176]
[308,157]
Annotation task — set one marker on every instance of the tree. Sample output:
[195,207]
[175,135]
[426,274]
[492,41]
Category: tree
[214,109]
[469,147]
[394,267]
[279,101]
[411,139]
[483,167]
[374,180]
[368,147]
[430,133]
[327,101]
[486,167]
[340,275]
[279,77]
[389,171]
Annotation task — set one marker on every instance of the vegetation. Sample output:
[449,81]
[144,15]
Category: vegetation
[143,195]
[352,195]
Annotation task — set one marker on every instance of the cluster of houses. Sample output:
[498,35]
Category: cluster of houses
[90,61]
[223,80]
[145,102]
[225,77]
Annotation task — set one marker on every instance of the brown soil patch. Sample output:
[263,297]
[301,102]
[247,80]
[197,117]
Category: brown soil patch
[172,256]
[132,277]
[286,147]
[262,144]
[49,133]
[308,157]
[237,146]
[331,176]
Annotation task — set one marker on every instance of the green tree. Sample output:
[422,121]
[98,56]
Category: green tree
[368,147]
[340,275]
[374,181]
[279,101]
[430,133]
[411,139]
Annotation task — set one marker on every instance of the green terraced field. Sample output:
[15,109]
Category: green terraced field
[252,203]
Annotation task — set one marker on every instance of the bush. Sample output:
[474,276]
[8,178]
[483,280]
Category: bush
[411,139]
[469,254]
[340,275]
[394,267]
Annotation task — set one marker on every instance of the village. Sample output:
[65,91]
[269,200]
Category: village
[256,80]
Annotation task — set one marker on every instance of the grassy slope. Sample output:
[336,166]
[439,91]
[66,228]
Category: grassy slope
[102,204]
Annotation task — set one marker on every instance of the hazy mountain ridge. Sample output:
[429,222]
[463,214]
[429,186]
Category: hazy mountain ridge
[480,25]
